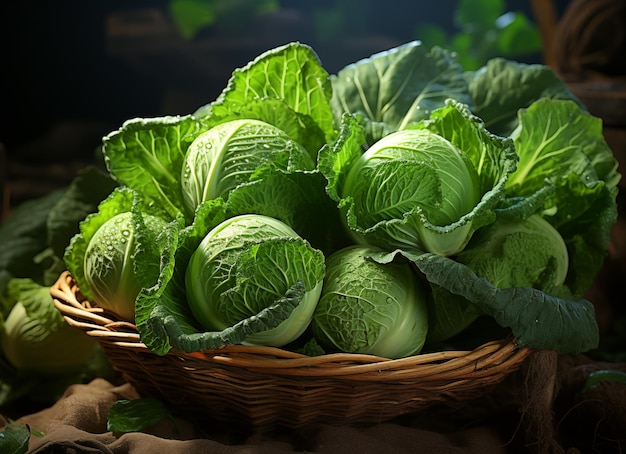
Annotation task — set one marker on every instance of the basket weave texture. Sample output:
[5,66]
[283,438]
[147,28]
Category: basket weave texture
[265,387]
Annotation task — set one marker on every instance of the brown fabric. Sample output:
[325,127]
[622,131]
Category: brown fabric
[541,409]
[76,423]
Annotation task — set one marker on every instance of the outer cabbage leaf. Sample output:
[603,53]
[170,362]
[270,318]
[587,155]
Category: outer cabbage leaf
[334,161]
[393,89]
[23,236]
[292,73]
[82,197]
[562,147]
[147,155]
[559,132]
[161,310]
[14,438]
[537,320]
[502,87]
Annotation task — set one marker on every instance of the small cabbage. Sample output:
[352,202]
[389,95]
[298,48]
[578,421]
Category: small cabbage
[234,153]
[109,263]
[528,253]
[244,265]
[35,338]
[367,307]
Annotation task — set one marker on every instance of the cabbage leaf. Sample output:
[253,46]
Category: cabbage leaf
[291,73]
[501,87]
[394,89]
[564,157]
[537,319]
[147,155]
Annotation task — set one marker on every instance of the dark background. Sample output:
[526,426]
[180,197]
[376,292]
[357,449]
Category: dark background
[68,77]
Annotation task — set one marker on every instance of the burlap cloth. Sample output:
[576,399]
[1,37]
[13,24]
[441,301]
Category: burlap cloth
[538,409]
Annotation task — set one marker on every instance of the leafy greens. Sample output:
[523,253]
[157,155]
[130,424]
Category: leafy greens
[373,150]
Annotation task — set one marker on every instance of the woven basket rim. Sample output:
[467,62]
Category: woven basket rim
[497,356]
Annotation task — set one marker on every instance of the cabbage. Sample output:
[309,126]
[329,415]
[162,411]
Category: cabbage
[224,280]
[233,153]
[243,266]
[103,257]
[427,188]
[366,307]
[508,253]
[36,339]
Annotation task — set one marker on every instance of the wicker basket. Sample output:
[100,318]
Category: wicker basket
[264,387]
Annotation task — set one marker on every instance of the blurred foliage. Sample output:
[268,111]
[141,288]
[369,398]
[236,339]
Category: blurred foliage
[191,16]
[484,30]
[345,17]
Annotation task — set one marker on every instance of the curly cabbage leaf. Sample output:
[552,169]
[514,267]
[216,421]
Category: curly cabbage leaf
[147,155]
[537,319]
[299,200]
[292,73]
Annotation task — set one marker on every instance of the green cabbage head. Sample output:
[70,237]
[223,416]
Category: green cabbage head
[246,264]
[36,339]
[508,253]
[367,307]
[425,188]
[109,263]
[409,169]
[234,153]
